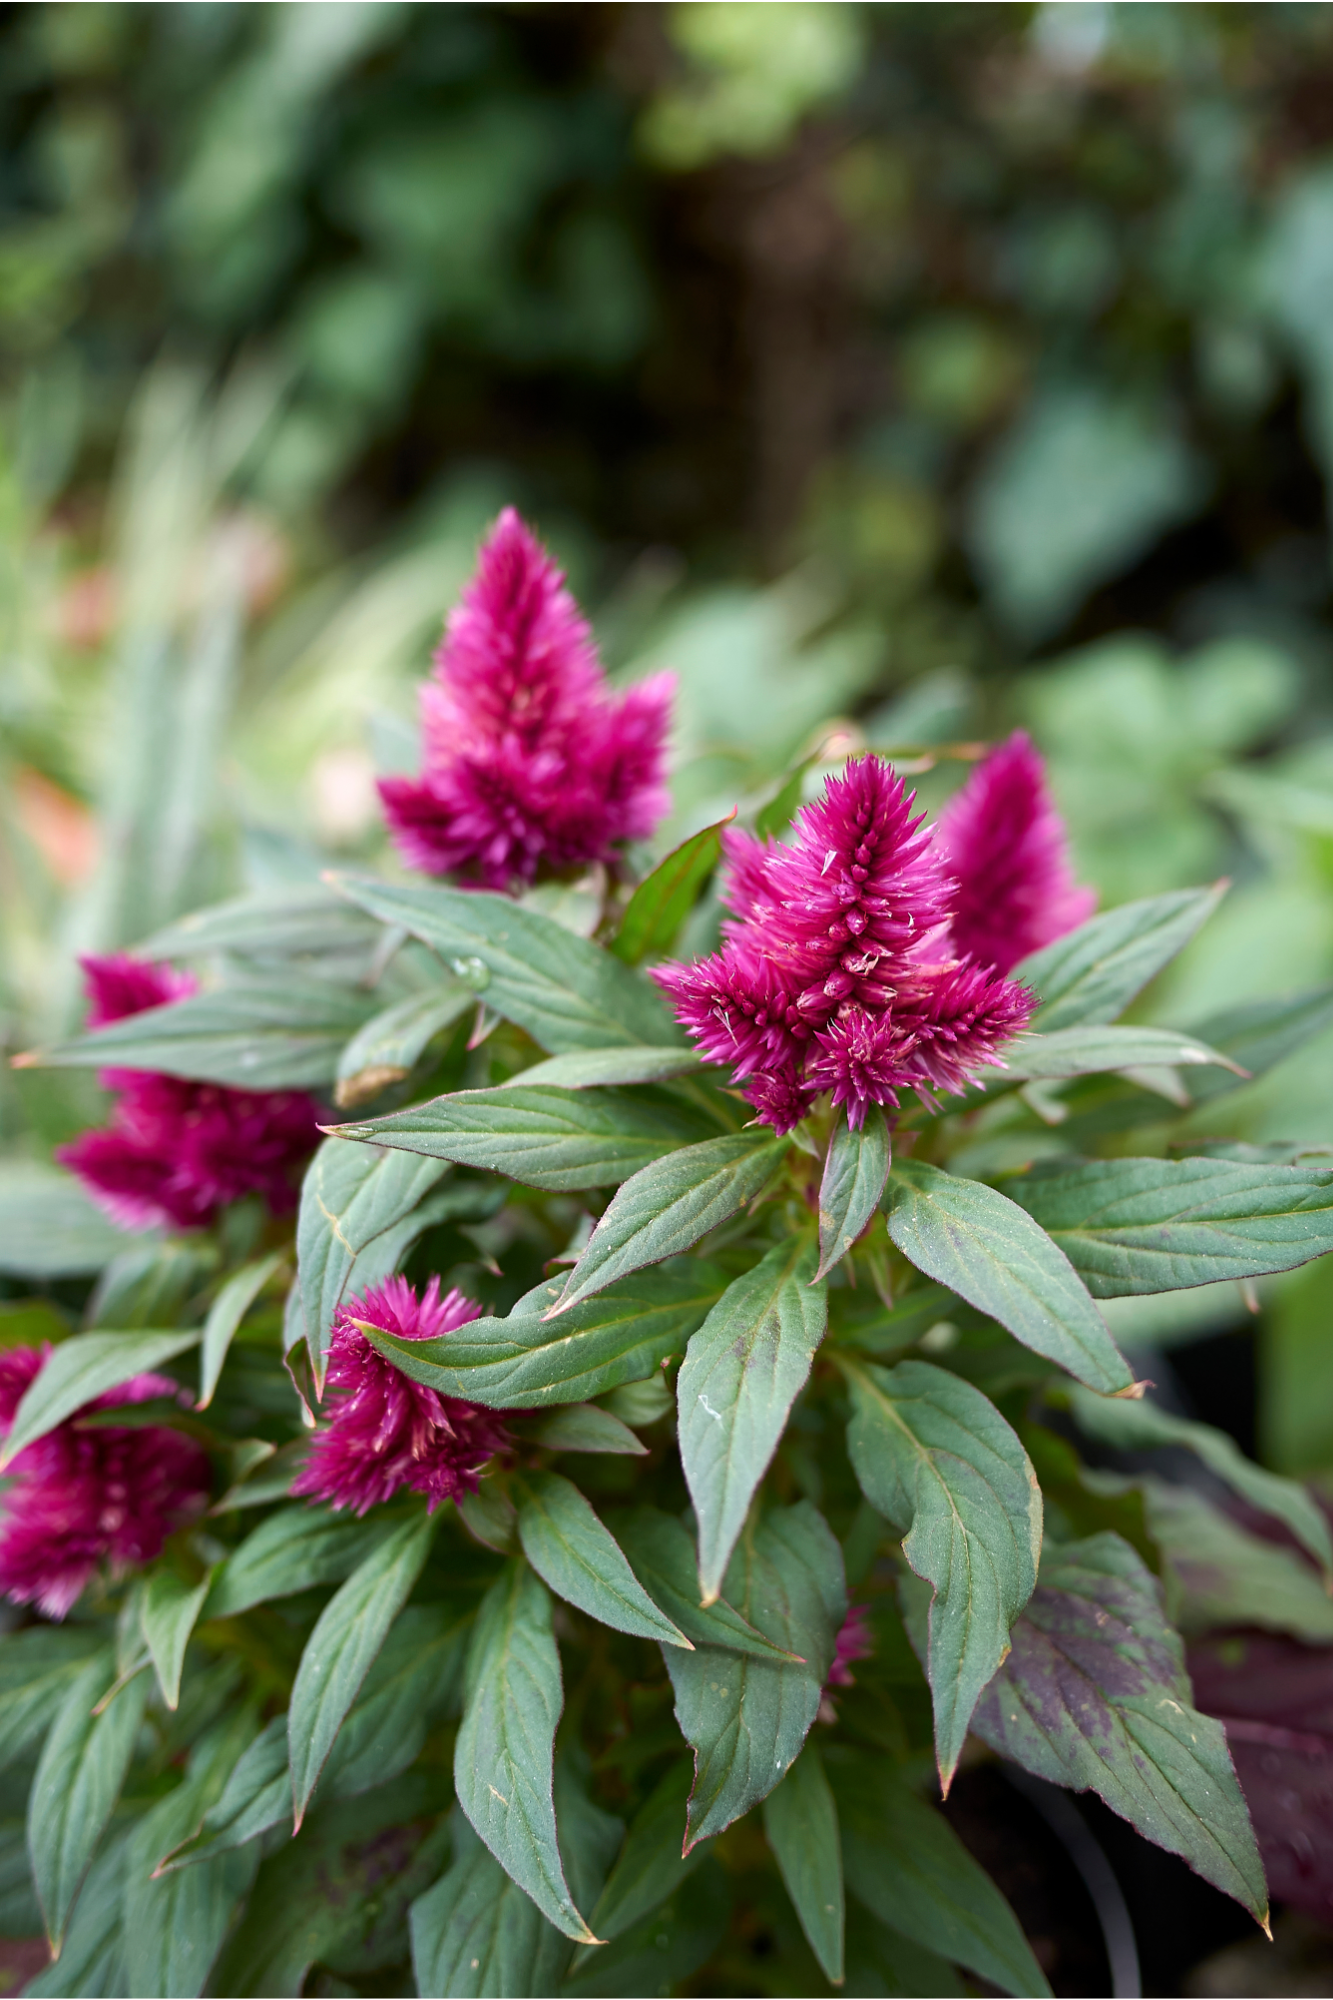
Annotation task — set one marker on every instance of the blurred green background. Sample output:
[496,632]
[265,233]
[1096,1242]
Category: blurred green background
[923,369]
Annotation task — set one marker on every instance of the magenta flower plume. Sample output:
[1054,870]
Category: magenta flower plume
[854,1642]
[176,1152]
[386,1431]
[532,765]
[836,973]
[1006,843]
[82,1497]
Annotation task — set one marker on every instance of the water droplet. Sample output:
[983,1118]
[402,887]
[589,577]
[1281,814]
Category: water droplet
[473,972]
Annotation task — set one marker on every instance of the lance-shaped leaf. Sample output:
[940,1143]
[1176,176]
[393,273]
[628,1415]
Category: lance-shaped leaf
[1093,973]
[742,1372]
[573,1552]
[984,1247]
[542,1136]
[168,1611]
[225,1314]
[272,1035]
[79,1775]
[385,1050]
[416,1681]
[295,1549]
[801,1826]
[477,1933]
[663,900]
[587,1427]
[49,1228]
[567,993]
[1143,1426]
[622,1335]
[297,921]
[663,1556]
[174,1927]
[935,1457]
[1095,1696]
[80,1370]
[37,1667]
[650,1865]
[1258,1035]
[92,1955]
[745,1718]
[351,1194]
[1151,1225]
[503,1756]
[905,1863]
[1088,1050]
[588,1069]
[342,1648]
[257,1796]
[856,1172]
[666,1207]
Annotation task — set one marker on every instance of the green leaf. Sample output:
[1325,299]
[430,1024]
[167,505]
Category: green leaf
[477,1933]
[580,1559]
[544,1137]
[1218,1574]
[856,1173]
[1093,973]
[905,1863]
[935,1457]
[663,1556]
[801,1826]
[1144,1225]
[49,1228]
[622,1335]
[590,1068]
[257,1796]
[391,1043]
[302,919]
[92,1955]
[341,1650]
[79,1775]
[746,1719]
[661,903]
[175,1924]
[1095,1696]
[880,1960]
[295,1549]
[38,1665]
[504,1751]
[225,1314]
[278,1034]
[1088,1050]
[666,1207]
[20,1913]
[80,1370]
[1144,1426]
[351,1194]
[650,1866]
[587,1427]
[982,1246]
[742,1372]
[416,1682]
[168,1611]
[664,1948]
[567,993]
[1259,1034]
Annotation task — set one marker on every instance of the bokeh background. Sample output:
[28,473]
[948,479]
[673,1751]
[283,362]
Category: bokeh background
[918,370]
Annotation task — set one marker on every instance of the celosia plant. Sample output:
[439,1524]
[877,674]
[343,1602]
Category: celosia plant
[648,1470]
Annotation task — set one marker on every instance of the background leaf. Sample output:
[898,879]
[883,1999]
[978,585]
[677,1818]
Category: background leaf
[1093,973]
[49,1228]
[477,1933]
[351,1194]
[742,1372]
[225,1314]
[74,1791]
[168,1610]
[663,900]
[390,1043]
[973,1239]
[80,1370]
[586,1069]
[935,1457]
[1095,1695]
[663,1555]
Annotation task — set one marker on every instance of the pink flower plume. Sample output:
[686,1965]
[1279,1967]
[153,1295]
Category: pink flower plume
[387,1432]
[1006,843]
[532,765]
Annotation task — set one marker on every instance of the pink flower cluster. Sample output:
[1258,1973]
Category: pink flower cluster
[531,764]
[176,1152]
[837,972]
[388,1432]
[83,1496]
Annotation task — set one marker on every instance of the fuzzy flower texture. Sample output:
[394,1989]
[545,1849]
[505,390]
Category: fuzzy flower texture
[176,1152]
[388,1432]
[87,1494]
[867,958]
[532,766]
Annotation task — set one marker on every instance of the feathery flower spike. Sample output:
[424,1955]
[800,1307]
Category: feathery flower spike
[532,765]
[82,1497]
[175,1152]
[387,1432]
[1006,843]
